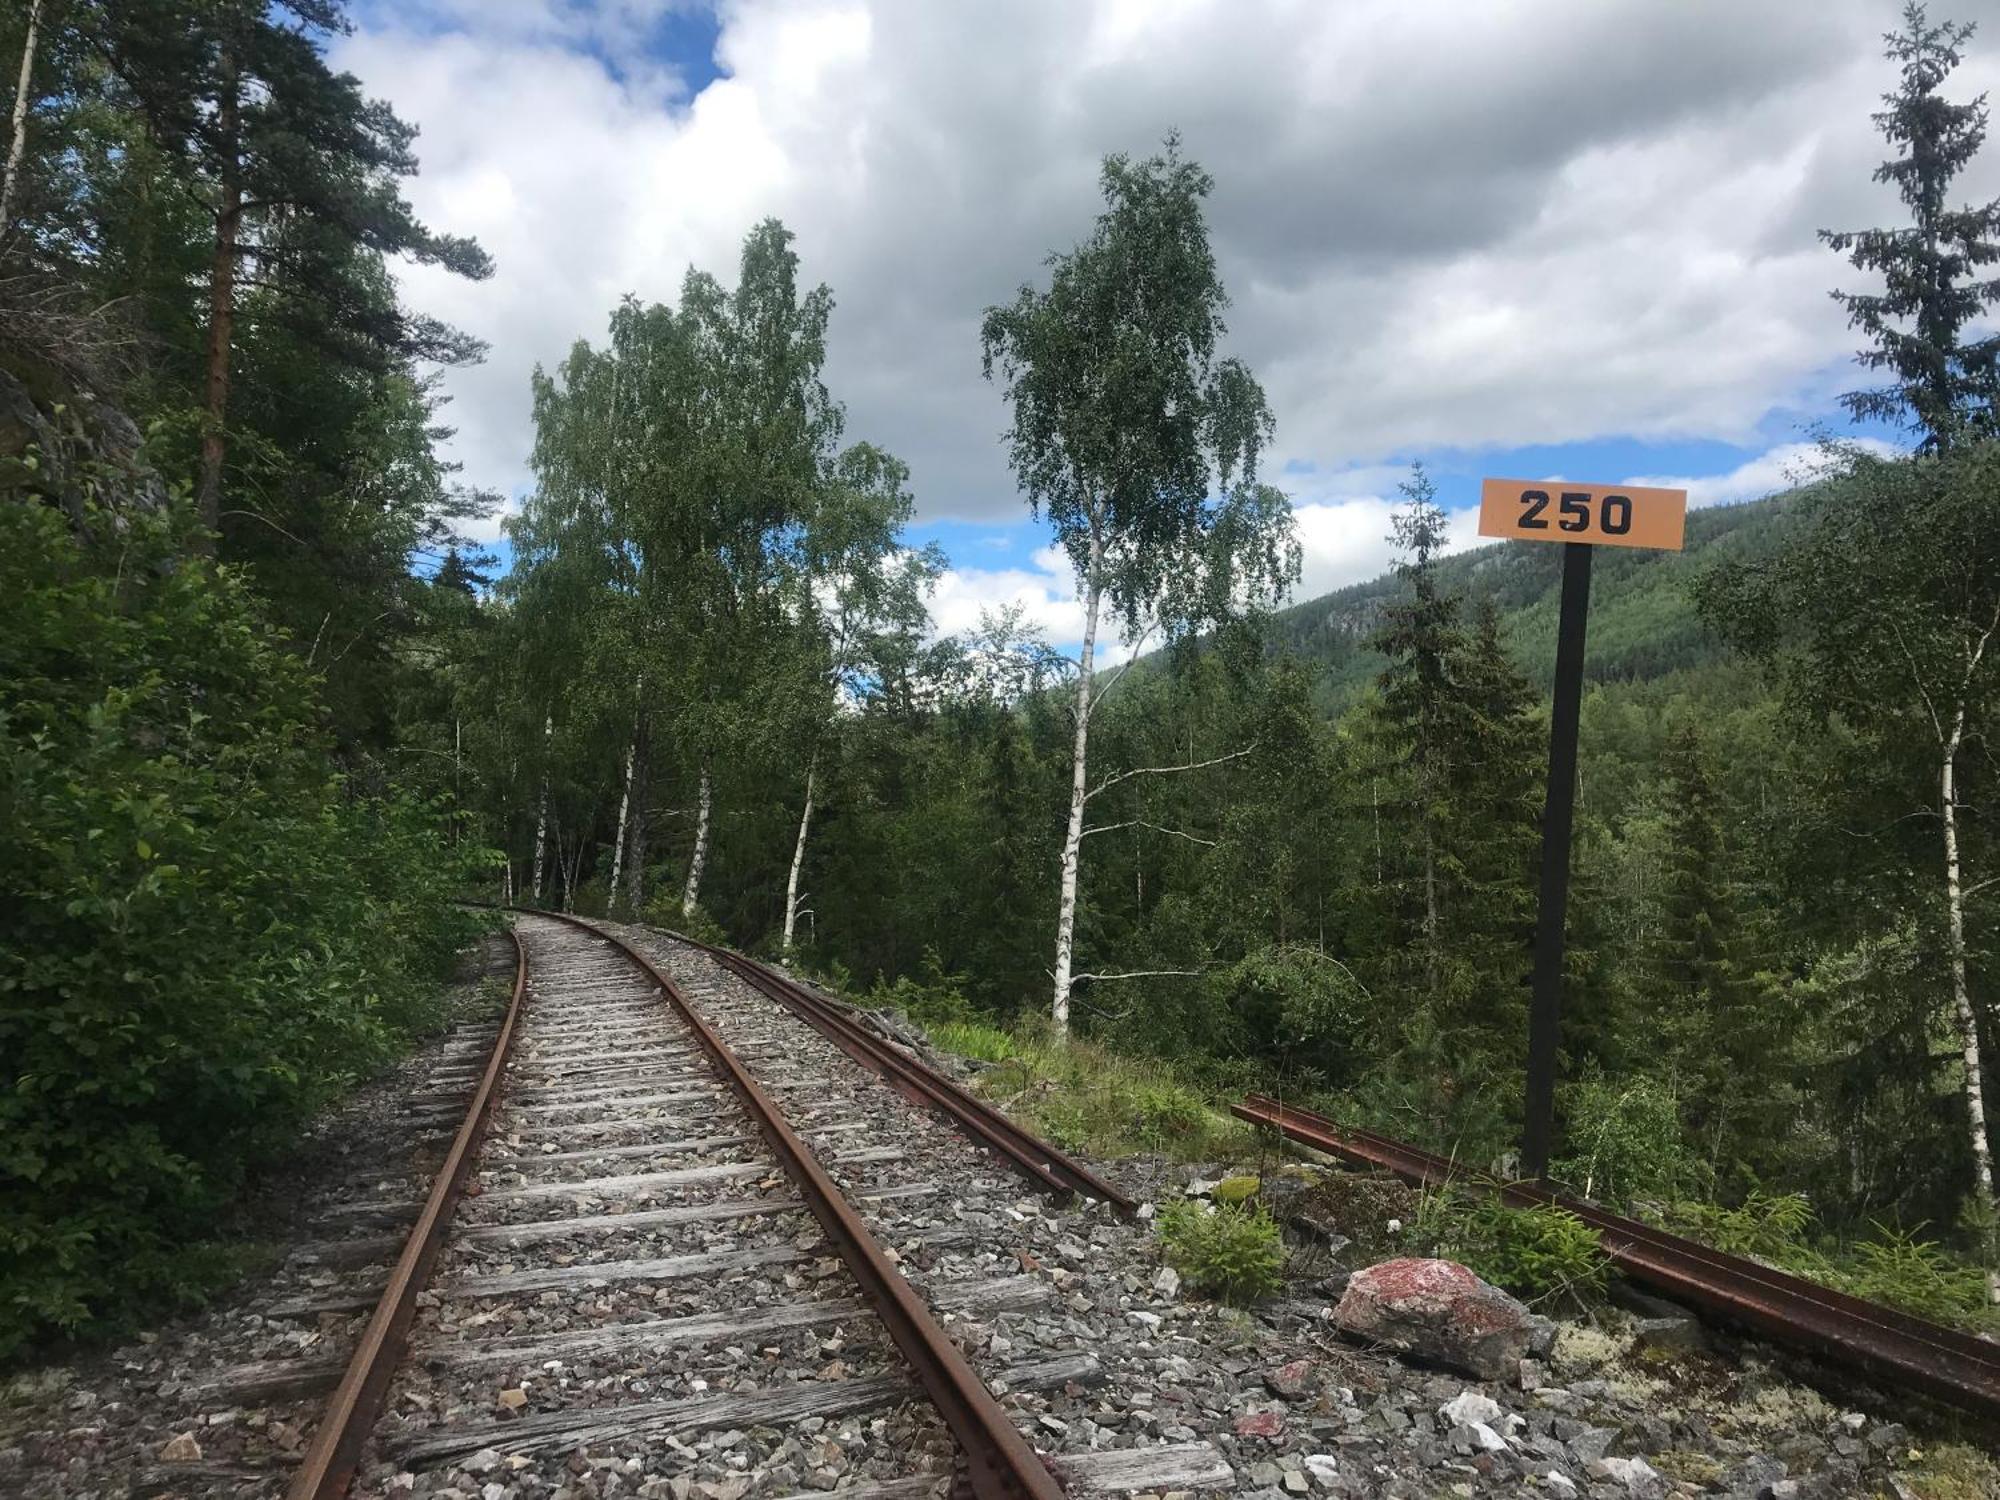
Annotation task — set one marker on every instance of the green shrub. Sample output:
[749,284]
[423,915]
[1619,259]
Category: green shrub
[1914,1275]
[1062,1122]
[1625,1141]
[1534,1252]
[1234,1254]
[1773,1227]
[1166,1115]
[203,934]
[934,998]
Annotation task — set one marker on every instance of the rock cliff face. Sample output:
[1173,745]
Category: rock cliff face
[62,444]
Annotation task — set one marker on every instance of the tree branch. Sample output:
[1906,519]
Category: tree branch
[1917,676]
[1119,675]
[1141,974]
[1193,765]
[1156,827]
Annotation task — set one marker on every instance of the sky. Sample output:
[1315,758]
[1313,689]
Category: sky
[1522,238]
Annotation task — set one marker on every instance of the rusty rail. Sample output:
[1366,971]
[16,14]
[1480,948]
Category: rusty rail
[328,1467]
[1000,1464]
[1037,1160]
[1951,1365]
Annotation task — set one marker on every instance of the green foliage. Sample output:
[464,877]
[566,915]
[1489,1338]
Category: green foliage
[975,1039]
[1914,1274]
[1625,1141]
[931,997]
[1086,1097]
[1768,1225]
[203,934]
[1893,1266]
[1234,1254]
[1537,1252]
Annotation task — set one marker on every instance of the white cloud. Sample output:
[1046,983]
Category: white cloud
[1349,541]
[1782,468]
[1462,223]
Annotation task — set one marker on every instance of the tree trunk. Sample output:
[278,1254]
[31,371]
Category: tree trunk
[691,893]
[1073,838]
[1961,1001]
[221,302]
[635,862]
[18,146]
[624,808]
[542,812]
[798,857]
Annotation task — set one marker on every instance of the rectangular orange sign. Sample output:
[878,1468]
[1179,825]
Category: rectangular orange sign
[1606,515]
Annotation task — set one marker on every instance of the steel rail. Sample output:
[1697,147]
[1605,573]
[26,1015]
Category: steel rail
[1037,1160]
[1000,1463]
[328,1467]
[1945,1362]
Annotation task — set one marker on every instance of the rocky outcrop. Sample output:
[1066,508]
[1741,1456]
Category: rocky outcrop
[67,446]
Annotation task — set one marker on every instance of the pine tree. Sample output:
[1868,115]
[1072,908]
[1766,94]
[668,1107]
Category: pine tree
[298,172]
[1945,386]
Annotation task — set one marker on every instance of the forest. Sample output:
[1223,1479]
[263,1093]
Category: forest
[267,716]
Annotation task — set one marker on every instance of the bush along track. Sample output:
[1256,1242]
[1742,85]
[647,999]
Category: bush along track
[205,934]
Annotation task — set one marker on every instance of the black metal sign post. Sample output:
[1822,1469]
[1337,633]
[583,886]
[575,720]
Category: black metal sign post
[1583,518]
[1545,1015]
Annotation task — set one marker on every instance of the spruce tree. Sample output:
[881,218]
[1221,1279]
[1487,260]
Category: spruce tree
[1935,269]
[1457,719]
[1716,1017]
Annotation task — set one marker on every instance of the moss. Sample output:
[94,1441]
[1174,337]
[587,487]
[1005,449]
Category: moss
[1953,1471]
[1690,1468]
[1233,1191]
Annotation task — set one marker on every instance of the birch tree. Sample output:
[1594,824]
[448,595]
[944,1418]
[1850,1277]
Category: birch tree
[1915,676]
[860,597]
[1139,444]
[17,138]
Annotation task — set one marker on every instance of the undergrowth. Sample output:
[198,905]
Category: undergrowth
[1896,1266]
[1080,1095]
[1539,1253]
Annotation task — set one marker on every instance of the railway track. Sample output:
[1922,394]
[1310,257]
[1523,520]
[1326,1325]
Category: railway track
[1906,1351]
[670,1245]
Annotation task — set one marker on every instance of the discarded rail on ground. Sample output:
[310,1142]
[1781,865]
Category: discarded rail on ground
[1954,1366]
[999,1463]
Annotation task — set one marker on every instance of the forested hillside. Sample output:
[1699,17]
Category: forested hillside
[1642,625]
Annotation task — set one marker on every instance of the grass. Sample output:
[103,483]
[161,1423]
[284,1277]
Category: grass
[1083,1097]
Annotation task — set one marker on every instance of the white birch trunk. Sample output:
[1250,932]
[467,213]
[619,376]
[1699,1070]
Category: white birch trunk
[798,857]
[18,146]
[1073,838]
[542,812]
[1961,998]
[624,808]
[691,893]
